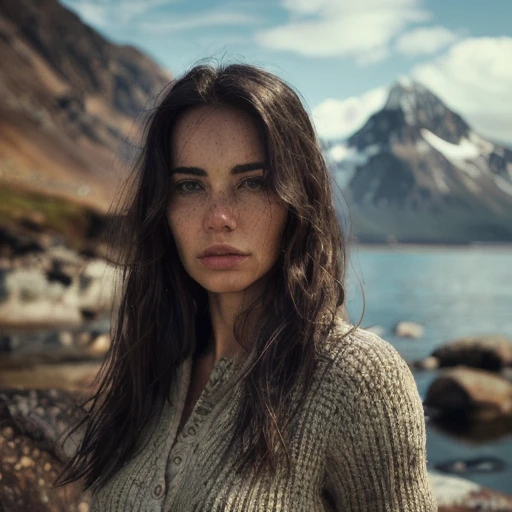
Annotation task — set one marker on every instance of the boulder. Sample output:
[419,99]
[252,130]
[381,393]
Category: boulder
[408,330]
[429,363]
[55,288]
[30,349]
[472,465]
[456,494]
[492,352]
[31,425]
[470,392]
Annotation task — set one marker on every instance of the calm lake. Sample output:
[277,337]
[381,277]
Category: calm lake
[452,292]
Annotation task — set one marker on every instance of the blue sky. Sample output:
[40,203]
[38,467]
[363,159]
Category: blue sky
[341,55]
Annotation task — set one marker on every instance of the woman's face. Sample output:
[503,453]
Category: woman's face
[219,197]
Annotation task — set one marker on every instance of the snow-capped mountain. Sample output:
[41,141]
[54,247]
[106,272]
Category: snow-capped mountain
[417,172]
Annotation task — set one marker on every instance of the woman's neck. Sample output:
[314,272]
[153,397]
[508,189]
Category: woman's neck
[224,308]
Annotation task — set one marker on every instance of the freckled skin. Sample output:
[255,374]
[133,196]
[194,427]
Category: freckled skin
[220,208]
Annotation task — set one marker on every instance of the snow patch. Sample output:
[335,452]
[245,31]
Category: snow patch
[484,145]
[440,181]
[398,99]
[471,169]
[465,149]
[339,152]
[347,159]
[457,154]
[405,82]
[343,153]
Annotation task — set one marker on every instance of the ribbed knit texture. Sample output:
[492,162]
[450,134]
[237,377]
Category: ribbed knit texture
[359,444]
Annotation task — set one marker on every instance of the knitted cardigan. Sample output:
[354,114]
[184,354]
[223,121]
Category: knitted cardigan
[359,444]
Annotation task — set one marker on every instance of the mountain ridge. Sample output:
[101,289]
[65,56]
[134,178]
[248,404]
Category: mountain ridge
[416,172]
[69,102]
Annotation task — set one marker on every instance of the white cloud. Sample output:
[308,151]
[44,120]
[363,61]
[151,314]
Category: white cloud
[335,118]
[204,19]
[362,29]
[424,40]
[475,79]
[105,13]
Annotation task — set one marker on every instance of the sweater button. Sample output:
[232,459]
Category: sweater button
[177,460]
[158,491]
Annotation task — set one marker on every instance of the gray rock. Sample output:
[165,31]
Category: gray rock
[456,494]
[470,392]
[474,465]
[58,288]
[491,352]
[429,363]
[408,330]
[31,423]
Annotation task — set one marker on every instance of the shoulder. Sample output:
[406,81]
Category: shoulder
[360,357]
[372,387]
[377,427]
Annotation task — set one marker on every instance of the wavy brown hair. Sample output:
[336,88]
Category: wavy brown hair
[162,316]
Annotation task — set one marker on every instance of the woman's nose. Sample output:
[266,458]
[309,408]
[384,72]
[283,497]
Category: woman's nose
[221,214]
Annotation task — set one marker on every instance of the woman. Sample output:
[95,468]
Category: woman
[233,382]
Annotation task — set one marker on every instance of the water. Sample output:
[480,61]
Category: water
[451,292]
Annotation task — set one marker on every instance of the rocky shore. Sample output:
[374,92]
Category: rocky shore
[55,307]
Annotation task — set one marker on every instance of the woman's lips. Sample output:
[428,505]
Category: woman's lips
[223,262]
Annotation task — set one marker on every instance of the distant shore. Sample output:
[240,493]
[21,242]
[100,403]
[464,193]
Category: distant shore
[425,246]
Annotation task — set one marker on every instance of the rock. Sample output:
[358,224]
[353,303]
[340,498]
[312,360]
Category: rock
[27,349]
[33,300]
[7,343]
[31,423]
[429,363]
[408,330]
[31,427]
[28,284]
[99,347]
[507,373]
[491,352]
[474,465]
[456,494]
[95,290]
[56,288]
[66,338]
[68,376]
[19,243]
[472,393]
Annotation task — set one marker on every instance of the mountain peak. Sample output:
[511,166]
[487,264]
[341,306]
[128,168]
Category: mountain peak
[411,97]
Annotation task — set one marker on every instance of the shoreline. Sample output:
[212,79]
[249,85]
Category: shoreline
[506,246]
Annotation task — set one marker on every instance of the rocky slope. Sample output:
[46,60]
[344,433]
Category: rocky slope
[68,101]
[417,172]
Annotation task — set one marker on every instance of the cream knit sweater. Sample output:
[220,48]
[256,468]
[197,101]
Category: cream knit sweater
[359,444]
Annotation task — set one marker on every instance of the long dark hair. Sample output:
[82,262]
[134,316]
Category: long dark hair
[162,316]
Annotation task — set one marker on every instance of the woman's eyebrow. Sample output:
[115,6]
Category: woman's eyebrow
[237,169]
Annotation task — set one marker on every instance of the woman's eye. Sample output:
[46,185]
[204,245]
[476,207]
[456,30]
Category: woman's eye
[253,183]
[188,186]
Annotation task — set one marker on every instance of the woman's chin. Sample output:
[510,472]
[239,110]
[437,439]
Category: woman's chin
[223,288]
[222,284]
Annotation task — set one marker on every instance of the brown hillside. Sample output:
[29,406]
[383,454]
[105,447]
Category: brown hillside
[68,101]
